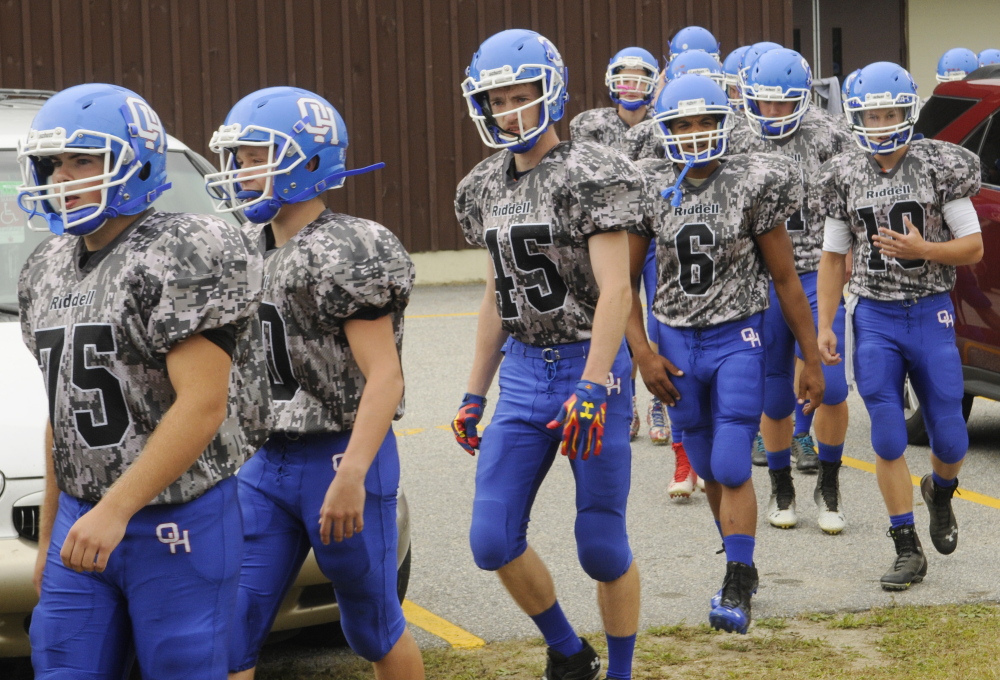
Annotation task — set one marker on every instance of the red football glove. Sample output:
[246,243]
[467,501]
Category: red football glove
[468,417]
[582,418]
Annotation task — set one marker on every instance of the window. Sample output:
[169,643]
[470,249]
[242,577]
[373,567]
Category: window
[989,154]
[939,112]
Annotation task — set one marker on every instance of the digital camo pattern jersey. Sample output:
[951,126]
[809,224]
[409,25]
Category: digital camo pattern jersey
[603,126]
[817,140]
[709,269]
[851,187]
[101,335]
[536,231]
[336,268]
[642,141]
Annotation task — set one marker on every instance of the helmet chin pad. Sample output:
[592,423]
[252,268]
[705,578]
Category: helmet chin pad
[262,212]
[97,219]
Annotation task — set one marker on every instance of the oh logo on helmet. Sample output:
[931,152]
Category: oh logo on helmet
[146,124]
[551,52]
[323,117]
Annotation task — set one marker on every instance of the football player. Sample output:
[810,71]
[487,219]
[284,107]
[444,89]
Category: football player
[141,322]
[718,224]
[903,205]
[553,216]
[335,288]
[777,91]
[631,78]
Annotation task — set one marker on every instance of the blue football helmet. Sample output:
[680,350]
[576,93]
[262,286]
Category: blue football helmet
[101,120]
[731,69]
[508,57]
[882,85]
[697,62]
[693,95]
[846,86]
[778,76]
[989,57]
[955,64]
[694,38]
[295,126]
[751,56]
[624,84]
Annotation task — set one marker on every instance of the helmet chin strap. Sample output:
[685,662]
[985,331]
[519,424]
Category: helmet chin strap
[674,194]
[264,212]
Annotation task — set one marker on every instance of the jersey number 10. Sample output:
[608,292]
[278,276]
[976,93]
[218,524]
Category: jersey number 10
[910,209]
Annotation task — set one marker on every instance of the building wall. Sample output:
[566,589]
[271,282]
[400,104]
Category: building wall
[391,67]
[936,26]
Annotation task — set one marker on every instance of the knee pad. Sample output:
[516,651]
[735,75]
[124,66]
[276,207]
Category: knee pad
[836,384]
[889,436]
[602,545]
[698,446]
[491,548]
[731,455]
[368,644]
[779,396]
[949,438]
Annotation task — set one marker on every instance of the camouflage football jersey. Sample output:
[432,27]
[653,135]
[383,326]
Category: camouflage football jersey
[101,333]
[817,140]
[335,269]
[603,126]
[852,187]
[536,231]
[709,269]
[642,141]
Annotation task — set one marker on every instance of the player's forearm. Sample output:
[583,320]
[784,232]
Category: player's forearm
[382,394]
[50,498]
[635,330]
[829,287]
[490,337]
[614,305]
[957,252]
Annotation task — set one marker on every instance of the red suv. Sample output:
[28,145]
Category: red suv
[967,113]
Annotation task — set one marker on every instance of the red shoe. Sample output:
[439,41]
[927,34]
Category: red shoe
[685,478]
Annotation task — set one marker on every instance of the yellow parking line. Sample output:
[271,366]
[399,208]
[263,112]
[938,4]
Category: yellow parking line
[962,493]
[435,625]
[412,430]
[435,316]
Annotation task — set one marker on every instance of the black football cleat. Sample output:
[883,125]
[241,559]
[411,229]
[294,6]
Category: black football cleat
[944,526]
[584,665]
[732,614]
[910,565]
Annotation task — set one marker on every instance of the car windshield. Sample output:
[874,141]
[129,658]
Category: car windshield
[939,112]
[18,240]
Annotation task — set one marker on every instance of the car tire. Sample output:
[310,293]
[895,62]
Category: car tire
[403,575]
[916,430]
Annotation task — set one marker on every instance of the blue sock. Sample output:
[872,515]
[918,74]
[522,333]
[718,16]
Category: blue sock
[620,651]
[942,482]
[676,434]
[718,525]
[558,634]
[803,422]
[828,453]
[779,459]
[739,548]
[901,520]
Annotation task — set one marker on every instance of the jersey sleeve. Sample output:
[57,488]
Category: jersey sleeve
[24,300]
[826,198]
[641,141]
[209,277]
[780,194]
[958,173]
[651,197]
[607,187]
[580,129]
[371,276]
[467,206]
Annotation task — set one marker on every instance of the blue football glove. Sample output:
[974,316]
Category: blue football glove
[466,421]
[582,418]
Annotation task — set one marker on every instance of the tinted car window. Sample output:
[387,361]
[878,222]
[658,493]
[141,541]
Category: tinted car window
[989,154]
[939,112]
[18,239]
[974,140]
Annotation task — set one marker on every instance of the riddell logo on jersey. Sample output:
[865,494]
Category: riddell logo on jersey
[71,300]
[890,191]
[699,210]
[521,208]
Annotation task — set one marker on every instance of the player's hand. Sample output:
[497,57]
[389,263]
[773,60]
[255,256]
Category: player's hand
[582,418]
[92,539]
[467,421]
[656,371]
[343,510]
[908,246]
[828,346]
[40,559]
[811,386]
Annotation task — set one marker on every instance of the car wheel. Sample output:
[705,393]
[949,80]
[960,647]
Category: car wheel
[916,430]
[403,575]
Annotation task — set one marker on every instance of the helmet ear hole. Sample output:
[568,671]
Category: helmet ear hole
[144,173]
[312,164]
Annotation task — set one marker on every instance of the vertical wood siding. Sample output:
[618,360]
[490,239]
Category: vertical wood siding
[391,67]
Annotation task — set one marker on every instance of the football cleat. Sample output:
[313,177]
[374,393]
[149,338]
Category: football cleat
[633,428]
[827,496]
[910,565]
[781,507]
[759,454]
[944,526]
[732,614]
[656,418]
[804,453]
[584,665]
[683,484]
